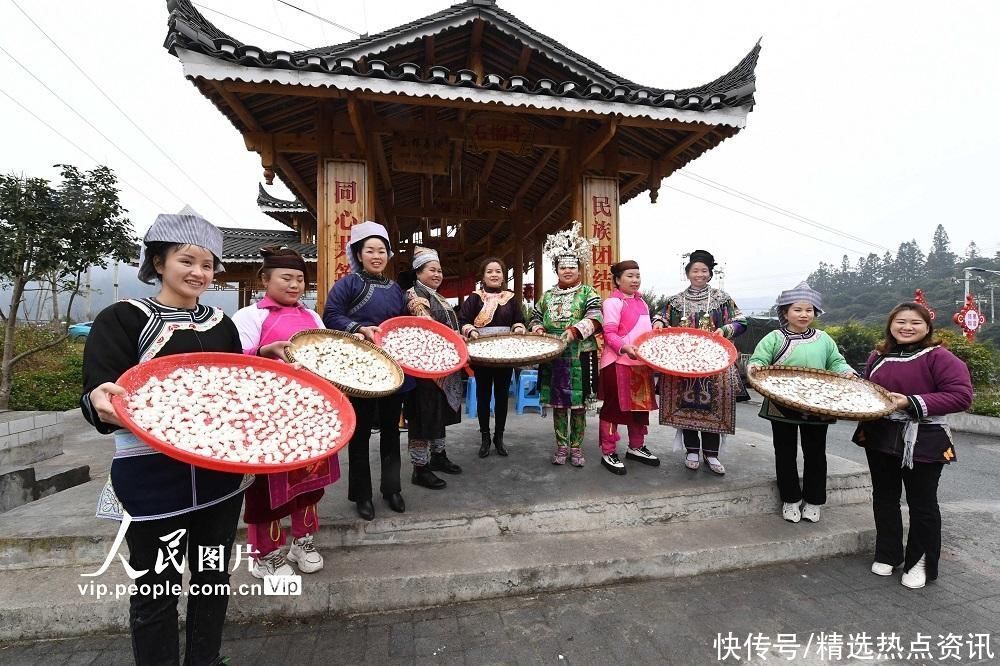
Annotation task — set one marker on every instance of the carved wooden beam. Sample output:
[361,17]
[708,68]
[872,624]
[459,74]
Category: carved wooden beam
[532,176]
[355,114]
[293,179]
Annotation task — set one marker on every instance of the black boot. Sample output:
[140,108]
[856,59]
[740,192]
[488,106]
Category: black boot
[484,448]
[440,463]
[498,442]
[422,476]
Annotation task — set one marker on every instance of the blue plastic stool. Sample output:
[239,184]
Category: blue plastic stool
[470,398]
[528,394]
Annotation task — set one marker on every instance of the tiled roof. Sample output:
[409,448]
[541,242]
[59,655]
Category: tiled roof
[243,245]
[190,30]
[270,203]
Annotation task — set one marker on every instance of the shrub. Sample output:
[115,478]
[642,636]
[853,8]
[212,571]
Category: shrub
[981,359]
[49,390]
[856,341]
[986,403]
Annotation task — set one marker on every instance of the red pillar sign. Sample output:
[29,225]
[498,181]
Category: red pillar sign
[600,223]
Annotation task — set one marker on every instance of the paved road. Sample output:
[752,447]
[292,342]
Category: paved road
[974,476]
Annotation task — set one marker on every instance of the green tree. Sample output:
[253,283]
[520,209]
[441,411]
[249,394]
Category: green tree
[940,260]
[910,265]
[55,233]
[972,251]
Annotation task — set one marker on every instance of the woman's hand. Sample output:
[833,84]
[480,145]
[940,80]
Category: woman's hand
[538,330]
[359,336]
[518,329]
[100,400]
[719,332]
[369,332]
[274,350]
[900,401]
[658,325]
[630,351]
[473,334]
[569,335]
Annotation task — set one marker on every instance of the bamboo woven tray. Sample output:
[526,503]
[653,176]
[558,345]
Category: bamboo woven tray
[365,350]
[558,347]
[854,384]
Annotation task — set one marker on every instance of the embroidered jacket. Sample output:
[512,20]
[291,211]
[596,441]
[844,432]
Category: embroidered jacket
[144,482]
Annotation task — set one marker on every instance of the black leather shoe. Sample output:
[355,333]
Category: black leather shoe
[440,463]
[422,476]
[484,448]
[498,442]
[396,502]
[366,509]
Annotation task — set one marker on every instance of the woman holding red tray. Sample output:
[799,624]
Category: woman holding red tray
[358,303]
[626,383]
[703,410]
[265,328]
[152,494]
[434,404]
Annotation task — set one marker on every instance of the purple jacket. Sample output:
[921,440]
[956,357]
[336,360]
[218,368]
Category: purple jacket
[936,382]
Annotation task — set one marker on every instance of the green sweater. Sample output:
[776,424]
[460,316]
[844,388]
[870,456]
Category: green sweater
[811,349]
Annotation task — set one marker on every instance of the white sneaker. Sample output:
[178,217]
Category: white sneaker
[810,512]
[305,555]
[790,512]
[916,577]
[880,569]
[613,463]
[272,564]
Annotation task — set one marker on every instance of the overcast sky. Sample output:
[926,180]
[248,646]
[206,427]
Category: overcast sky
[875,118]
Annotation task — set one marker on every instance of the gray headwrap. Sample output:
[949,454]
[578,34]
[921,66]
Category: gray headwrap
[186,227]
[802,293]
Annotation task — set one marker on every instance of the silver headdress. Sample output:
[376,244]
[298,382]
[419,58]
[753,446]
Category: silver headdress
[567,246]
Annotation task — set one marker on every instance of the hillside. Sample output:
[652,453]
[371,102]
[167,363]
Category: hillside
[868,290]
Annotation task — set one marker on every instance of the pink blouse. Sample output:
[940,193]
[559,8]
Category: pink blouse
[625,319]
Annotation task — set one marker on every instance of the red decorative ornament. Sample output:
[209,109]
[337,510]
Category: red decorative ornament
[528,292]
[969,318]
[918,297]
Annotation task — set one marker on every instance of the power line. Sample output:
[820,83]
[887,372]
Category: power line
[124,115]
[321,18]
[761,219]
[90,124]
[246,23]
[70,141]
[764,204]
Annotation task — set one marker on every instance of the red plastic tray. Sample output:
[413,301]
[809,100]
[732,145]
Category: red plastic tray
[135,377]
[429,324]
[674,330]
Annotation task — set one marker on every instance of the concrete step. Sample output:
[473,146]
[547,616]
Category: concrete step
[61,530]
[48,603]
[52,478]
[21,484]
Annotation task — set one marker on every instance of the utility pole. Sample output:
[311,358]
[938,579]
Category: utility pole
[969,270]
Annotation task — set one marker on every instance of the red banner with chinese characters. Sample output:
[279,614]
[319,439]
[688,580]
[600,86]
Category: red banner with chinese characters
[346,194]
[600,222]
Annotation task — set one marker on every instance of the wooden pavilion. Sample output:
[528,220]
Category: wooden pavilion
[466,130]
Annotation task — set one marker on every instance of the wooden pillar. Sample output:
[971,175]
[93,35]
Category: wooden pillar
[539,272]
[519,274]
[600,222]
[344,188]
